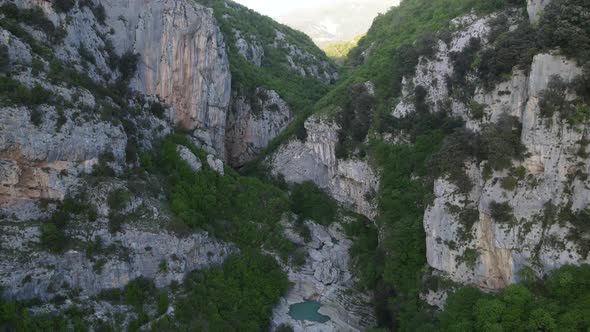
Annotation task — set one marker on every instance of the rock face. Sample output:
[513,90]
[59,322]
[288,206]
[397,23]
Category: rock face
[155,255]
[182,56]
[182,59]
[535,9]
[350,182]
[325,277]
[253,123]
[305,64]
[38,162]
[251,50]
[491,254]
[187,155]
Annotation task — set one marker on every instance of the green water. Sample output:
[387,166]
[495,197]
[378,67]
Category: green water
[307,310]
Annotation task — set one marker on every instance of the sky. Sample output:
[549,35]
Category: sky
[276,8]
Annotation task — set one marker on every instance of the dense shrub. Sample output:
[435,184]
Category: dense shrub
[63,6]
[462,64]
[565,25]
[515,48]
[15,316]
[4,58]
[509,183]
[557,303]
[100,13]
[238,296]
[355,119]
[502,212]
[240,209]
[118,199]
[309,202]
[53,238]
[554,98]
[13,92]
[127,65]
[500,143]
[34,17]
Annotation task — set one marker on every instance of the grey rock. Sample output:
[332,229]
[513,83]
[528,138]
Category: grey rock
[187,155]
[250,50]
[215,164]
[35,273]
[253,123]
[535,9]
[350,182]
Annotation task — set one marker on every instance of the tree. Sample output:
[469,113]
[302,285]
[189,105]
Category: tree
[63,6]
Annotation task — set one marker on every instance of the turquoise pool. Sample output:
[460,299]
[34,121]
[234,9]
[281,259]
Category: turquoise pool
[307,310]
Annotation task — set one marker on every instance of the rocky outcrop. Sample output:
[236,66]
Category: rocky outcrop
[351,182]
[304,63]
[26,273]
[432,73]
[253,123]
[182,55]
[249,48]
[189,157]
[43,162]
[535,9]
[325,277]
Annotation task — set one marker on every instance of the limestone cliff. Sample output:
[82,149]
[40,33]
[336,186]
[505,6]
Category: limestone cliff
[352,182]
[77,137]
[182,59]
[491,253]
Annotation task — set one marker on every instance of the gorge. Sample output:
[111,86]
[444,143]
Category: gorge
[193,165]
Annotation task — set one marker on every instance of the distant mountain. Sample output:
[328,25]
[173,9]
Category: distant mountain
[338,21]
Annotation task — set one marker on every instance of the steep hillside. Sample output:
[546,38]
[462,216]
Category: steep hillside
[117,211]
[475,133]
[441,184]
[277,75]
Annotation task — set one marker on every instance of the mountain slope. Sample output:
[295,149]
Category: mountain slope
[116,208]
[338,21]
[500,199]
[268,61]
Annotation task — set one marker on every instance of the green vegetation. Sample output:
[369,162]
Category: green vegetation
[63,6]
[53,235]
[309,202]
[354,120]
[33,17]
[339,51]
[398,29]
[498,144]
[558,303]
[240,209]
[502,213]
[509,183]
[4,58]
[14,93]
[554,99]
[238,296]
[15,316]
[299,92]
[117,201]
